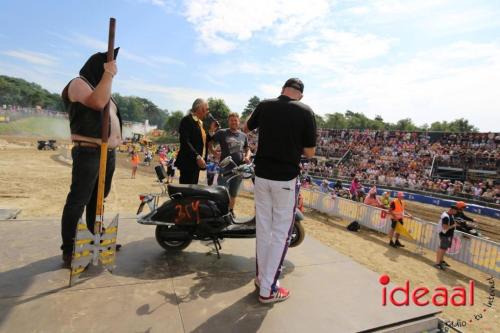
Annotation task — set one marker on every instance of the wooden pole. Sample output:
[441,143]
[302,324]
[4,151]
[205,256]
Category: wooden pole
[104,138]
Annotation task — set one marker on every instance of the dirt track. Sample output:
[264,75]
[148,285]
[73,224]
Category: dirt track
[37,182]
[488,226]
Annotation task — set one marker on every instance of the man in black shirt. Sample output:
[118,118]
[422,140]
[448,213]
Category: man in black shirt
[446,227]
[287,130]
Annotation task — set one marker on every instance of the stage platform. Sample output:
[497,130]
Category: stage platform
[152,291]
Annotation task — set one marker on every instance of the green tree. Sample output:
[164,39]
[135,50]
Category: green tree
[139,109]
[252,104]
[14,91]
[462,125]
[457,125]
[173,121]
[406,125]
[438,126]
[320,122]
[336,121]
[356,120]
[219,111]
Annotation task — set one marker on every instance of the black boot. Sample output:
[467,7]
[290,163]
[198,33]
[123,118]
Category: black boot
[391,243]
[440,266]
[66,258]
[398,244]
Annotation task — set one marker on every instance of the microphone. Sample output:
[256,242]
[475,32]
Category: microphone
[212,119]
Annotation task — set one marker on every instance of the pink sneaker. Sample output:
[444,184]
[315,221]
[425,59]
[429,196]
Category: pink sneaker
[281,295]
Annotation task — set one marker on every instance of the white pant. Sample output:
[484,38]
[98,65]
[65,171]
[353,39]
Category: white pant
[274,212]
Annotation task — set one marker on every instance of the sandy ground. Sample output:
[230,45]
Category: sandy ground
[38,181]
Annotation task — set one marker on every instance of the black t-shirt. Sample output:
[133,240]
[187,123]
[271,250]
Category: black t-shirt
[286,127]
[449,220]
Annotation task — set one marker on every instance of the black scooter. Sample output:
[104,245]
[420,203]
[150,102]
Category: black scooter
[200,212]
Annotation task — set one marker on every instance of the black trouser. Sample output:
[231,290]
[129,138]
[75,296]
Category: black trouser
[210,178]
[83,191]
[189,175]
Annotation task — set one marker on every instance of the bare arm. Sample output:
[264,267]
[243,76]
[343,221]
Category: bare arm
[79,90]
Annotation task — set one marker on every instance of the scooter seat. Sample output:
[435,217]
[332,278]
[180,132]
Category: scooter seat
[215,193]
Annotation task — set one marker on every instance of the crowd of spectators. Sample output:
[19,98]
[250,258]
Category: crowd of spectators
[404,159]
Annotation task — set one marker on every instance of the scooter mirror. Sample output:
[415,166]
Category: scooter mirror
[225,162]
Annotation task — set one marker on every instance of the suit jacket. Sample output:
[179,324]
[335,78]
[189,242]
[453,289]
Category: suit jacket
[191,143]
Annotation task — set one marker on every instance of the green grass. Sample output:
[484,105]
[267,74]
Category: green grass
[37,126]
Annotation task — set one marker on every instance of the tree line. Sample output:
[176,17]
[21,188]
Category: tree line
[356,120]
[15,91]
[19,92]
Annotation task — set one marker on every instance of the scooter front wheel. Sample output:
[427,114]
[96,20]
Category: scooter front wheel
[298,234]
[168,238]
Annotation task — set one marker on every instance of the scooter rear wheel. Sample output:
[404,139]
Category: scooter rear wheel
[298,234]
[170,244]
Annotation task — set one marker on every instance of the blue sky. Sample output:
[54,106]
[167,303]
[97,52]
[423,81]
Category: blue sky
[428,60]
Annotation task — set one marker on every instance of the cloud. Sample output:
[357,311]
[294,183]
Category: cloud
[167,5]
[402,7]
[222,24]
[50,78]
[331,49]
[165,60]
[100,45]
[36,58]
[160,3]
[176,97]
[453,81]
[460,21]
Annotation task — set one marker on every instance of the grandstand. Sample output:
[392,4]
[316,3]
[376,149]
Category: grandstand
[457,164]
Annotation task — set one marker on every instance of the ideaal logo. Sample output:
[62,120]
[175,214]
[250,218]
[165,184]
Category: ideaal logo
[440,296]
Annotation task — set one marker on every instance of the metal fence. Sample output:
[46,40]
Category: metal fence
[476,252]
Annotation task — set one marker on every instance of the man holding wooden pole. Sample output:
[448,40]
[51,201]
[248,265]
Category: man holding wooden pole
[95,125]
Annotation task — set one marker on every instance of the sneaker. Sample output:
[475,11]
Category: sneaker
[279,296]
[445,264]
[391,243]
[439,266]
[66,258]
[398,244]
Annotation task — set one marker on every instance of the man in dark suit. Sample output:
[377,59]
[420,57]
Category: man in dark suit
[193,143]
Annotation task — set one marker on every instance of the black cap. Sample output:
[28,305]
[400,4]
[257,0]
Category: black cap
[453,206]
[294,83]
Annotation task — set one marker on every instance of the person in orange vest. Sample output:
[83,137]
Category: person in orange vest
[397,212]
[135,162]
